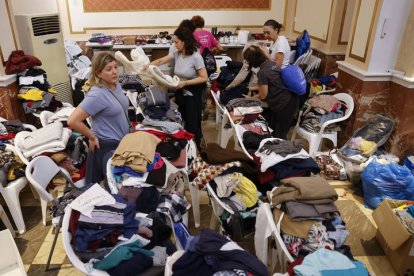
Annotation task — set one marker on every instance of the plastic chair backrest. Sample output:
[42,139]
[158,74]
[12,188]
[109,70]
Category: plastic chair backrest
[349,101]
[216,98]
[217,204]
[304,58]
[221,60]
[39,172]
[10,261]
[66,238]
[237,134]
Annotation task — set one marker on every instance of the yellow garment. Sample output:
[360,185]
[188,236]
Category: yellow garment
[10,173]
[247,192]
[33,94]
[51,90]
[86,87]
[367,147]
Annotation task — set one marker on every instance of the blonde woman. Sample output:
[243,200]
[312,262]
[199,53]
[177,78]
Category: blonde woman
[107,106]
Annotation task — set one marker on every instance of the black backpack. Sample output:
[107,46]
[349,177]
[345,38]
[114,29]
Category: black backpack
[209,61]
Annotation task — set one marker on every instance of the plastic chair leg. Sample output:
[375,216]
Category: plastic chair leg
[34,192]
[43,205]
[195,201]
[314,145]
[13,202]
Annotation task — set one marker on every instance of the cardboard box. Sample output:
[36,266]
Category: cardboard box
[394,238]
[129,40]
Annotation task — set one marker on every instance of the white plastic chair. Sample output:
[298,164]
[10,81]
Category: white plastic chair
[39,172]
[280,255]
[304,58]
[6,221]
[224,134]
[312,68]
[171,260]
[221,60]
[10,193]
[11,263]
[315,139]
[237,134]
[218,208]
[74,259]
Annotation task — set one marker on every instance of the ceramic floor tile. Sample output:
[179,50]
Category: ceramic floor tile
[69,270]
[58,256]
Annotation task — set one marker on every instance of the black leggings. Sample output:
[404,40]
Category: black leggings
[281,121]
[190,108]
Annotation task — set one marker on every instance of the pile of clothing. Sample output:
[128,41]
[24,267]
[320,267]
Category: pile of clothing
[9,129]
[323,83]
[214,254]
[318,110]
[308,216]
[100,38]
[156,105]
[51,138]
[141,173]
[106,234]
[280,159]
[36,92]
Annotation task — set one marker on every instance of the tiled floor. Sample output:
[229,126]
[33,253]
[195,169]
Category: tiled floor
[34,245]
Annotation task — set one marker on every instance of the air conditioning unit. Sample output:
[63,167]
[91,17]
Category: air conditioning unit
[41,36]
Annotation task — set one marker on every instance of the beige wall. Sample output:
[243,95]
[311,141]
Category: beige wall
[79,25]
[405,60]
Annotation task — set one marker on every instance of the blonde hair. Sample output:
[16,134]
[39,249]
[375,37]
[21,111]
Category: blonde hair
[99,61]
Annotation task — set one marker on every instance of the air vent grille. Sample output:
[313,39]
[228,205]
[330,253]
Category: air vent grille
[45,25]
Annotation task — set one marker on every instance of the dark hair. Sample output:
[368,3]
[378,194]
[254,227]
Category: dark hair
[274,24]
[198,21]
[187,23]
[254,56]
[186,36]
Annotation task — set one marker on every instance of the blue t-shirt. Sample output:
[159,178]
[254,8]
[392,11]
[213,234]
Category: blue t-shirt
[109,120]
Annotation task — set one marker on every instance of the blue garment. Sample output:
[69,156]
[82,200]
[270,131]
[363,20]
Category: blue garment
[191,243]
[295,167]
[359,270]
[119,170]
[410,210]
[182,233]
[323,259]
[108,111]
[120,254]
[129,227]
[138,264]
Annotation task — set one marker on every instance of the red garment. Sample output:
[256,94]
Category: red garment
[10,135]
[73,224]
[266,177]
[18,61]
[159,163]
[110,240]
[296,262]
[181,134]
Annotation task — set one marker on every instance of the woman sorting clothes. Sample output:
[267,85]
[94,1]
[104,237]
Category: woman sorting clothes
[279,51]
[107,106]
[282,103]
[189,67]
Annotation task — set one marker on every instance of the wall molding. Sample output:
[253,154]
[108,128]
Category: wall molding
[374,13]
[311,36]
[328,53]
[378,76]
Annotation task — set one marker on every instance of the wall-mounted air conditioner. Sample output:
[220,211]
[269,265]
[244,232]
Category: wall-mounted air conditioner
[41,36]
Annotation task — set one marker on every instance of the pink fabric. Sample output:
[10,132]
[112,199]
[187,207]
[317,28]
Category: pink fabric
[206,40]
[180,161]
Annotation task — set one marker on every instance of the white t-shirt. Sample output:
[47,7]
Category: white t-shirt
[281,45]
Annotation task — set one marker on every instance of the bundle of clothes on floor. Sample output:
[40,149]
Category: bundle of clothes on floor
[366,140]
[11,167]
[320,109]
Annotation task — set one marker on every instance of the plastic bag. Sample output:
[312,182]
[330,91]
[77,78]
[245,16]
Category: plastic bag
[366,140]
[294,79]
[381,181]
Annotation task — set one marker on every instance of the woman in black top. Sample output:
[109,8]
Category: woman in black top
[282,104]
